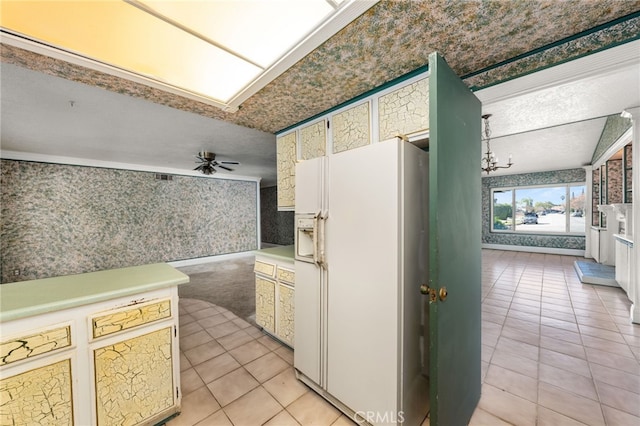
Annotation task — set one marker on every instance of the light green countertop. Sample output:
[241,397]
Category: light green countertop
[281,252]
[29,298]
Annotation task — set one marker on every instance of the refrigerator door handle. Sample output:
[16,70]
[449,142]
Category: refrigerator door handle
[316,229]
[321,239]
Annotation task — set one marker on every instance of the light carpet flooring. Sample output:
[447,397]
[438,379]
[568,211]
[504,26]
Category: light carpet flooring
[554,352]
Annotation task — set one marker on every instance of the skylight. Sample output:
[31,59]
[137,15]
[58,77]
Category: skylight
[217,51]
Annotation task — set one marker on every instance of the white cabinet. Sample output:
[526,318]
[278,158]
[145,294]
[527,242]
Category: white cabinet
[624,251]
[93,361]
[275,289]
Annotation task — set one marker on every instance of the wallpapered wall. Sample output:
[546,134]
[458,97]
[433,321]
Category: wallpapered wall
[528,179]
[276,227]
[59,219]
[613,129]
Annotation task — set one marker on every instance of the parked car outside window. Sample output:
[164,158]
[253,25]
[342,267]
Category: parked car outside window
[530,218]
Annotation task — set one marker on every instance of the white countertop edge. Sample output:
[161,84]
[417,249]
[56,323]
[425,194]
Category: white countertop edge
[623,239]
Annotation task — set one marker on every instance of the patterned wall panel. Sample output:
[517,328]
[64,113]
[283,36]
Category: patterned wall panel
[404,111]
[60,220]
[313,140]
[35,344]
[286,310]
[614,182]
[134,379]
[351,128]
[129,318]
[286,170]
[528,179]
[42,396]
[266,304]
[276,226]
[614,127]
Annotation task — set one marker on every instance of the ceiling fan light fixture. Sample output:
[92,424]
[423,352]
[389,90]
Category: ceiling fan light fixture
[208,163]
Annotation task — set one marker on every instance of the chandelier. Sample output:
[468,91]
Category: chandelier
[490,161]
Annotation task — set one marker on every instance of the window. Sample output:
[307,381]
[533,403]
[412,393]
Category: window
[557,209]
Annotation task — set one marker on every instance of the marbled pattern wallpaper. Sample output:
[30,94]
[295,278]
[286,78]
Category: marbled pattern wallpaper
[276,226]
[485,42]
[528,179]
[613,129]
[60,220]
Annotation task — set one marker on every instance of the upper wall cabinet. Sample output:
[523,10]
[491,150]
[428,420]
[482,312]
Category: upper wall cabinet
[405,111]
[351,128]
[313,140]
[400,110]
[286,170]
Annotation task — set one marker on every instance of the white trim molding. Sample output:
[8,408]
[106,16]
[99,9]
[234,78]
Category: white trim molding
[531,249]
[210,259]
[73,161]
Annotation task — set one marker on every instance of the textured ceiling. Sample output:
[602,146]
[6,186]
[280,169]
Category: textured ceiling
[390,40]
[135,126]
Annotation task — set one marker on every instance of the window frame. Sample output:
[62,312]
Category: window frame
[513,231]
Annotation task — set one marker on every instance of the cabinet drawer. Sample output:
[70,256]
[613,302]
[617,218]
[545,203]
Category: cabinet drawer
[286,276]
[35,344]
[265,268]
[129,317]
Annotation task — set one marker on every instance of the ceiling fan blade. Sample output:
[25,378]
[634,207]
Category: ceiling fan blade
[223,167]
[200,167]
[228,162]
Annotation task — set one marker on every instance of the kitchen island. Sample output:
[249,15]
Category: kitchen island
[96,348]
[275,284]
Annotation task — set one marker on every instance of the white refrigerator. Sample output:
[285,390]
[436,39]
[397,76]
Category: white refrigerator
[361,255]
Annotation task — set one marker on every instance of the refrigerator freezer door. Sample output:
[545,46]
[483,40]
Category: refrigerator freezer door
[310,177]
[307,348]
[309,276]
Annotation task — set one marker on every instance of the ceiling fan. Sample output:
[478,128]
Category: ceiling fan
[208,163]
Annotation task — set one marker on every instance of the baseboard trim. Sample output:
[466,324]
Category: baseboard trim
[208,259]
[545,250]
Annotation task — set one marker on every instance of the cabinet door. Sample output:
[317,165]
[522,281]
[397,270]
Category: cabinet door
[286,311]
[40,396]
[134,380]
[266,304]
[286,171]
[454,245]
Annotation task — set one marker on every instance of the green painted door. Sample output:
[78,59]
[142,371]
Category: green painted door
[454,239]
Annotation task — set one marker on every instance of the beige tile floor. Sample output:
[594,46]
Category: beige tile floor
[554,352]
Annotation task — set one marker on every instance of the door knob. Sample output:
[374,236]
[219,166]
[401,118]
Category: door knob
[431,292]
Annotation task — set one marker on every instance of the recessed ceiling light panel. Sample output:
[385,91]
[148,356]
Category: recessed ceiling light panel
[216,51]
